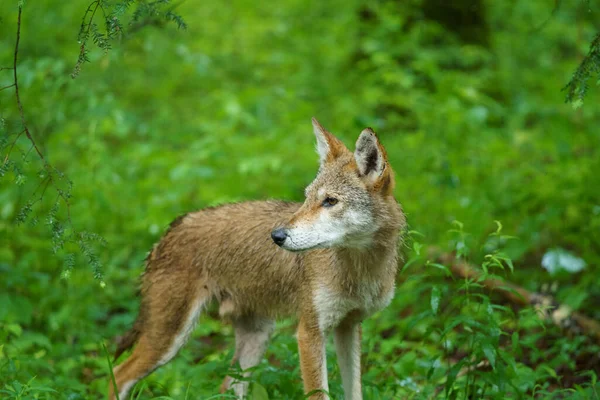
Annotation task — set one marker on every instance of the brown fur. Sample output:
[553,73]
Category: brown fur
[226,254]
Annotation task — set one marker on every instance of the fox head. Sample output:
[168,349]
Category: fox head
[348,202]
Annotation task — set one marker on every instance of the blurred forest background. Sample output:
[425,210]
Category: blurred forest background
[465,95]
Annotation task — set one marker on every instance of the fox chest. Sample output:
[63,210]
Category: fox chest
[332,306]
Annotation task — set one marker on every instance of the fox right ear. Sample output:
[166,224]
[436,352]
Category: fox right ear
[369,155]
[328,146]
[371,160]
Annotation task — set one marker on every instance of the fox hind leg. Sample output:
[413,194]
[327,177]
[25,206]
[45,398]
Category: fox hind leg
[251,339]
[163,334]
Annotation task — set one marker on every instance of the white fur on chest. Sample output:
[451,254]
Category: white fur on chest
[333,306]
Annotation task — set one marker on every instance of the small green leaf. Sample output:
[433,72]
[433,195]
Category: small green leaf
[17,386]
[417,248]
[440,266]
[515,342]
[550,371]
[509,262]
[498,227]
[15,329]
[490,353]
[44,389]
[259,392]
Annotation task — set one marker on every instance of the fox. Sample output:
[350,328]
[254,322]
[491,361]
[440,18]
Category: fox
[329,262]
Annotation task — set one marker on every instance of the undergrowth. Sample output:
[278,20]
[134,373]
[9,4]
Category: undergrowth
[443,337]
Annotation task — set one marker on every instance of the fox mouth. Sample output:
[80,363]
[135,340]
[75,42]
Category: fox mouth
[297,249]
[300,250]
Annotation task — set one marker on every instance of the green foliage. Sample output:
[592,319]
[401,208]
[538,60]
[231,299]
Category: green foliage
[61,232]
[590,67]
[111,14]
[169,121]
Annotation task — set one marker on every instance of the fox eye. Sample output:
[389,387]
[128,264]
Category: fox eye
[329,202]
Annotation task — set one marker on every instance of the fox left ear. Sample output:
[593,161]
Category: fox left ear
[328,146]
[371,160]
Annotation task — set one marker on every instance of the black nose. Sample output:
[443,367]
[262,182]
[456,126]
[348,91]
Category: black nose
[278,235]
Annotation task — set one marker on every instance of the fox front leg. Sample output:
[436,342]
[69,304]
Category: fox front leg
[313,359]
[347,338]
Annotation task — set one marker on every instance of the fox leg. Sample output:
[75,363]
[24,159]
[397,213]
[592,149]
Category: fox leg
[313,359]
[347,345]
[251,340]
[143,360]
[163,334]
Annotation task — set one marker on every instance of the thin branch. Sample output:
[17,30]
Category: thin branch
[7,87]
[93,13]
[49,168]
[88,10]
[28,151]
[83,36]
[557,4]
[19,104]
[49,176]
[46,180]
[12,147]
[546,306]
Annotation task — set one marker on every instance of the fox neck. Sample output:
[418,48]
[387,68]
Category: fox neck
[372,259]
[381,251]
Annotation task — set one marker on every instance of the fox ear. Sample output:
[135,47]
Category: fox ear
[328,146]
[371,160]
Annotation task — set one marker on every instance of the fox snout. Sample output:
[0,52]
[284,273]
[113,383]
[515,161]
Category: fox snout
[279,235]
